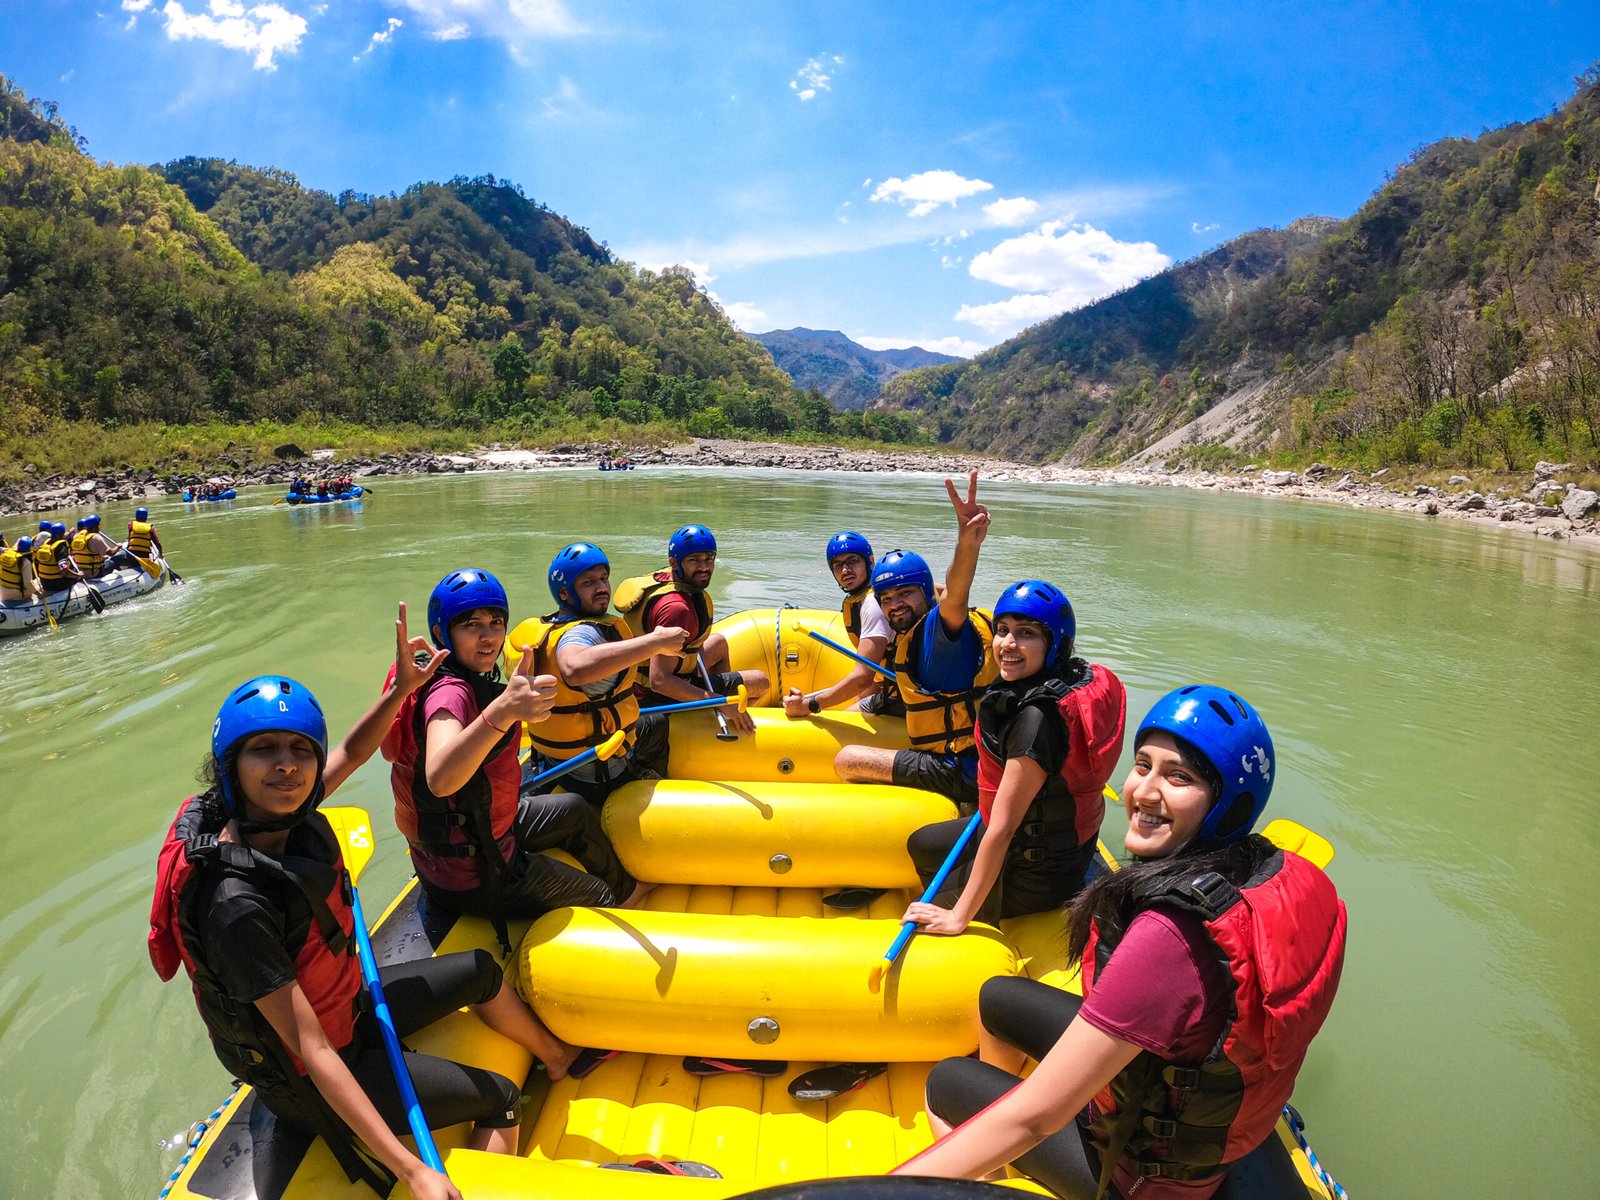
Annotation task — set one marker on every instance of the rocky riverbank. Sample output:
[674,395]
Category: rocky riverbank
[1544,502]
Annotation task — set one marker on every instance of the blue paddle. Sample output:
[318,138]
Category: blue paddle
[741,698]
[844,650]
[355,835]
[875,980]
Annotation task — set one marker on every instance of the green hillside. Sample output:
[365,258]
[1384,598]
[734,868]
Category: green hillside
[209,292]
[1454,319]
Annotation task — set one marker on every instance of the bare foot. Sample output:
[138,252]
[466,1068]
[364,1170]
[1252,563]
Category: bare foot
[640,891]
[557,1065]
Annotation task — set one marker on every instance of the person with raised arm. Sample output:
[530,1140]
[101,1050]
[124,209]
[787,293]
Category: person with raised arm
[942,659]
[253,900]
[475,838]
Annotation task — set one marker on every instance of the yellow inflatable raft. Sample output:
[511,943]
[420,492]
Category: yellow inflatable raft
[733,955]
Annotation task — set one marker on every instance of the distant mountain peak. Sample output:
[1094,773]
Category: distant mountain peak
[843,370]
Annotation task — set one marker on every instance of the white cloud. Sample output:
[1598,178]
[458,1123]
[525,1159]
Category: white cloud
[926,191]
[564,103]
[1056,268]
[386,34]
[1199,228]
[264,30]
[744,316]
[1011,212]
[509,20]
[958,346]
[814,76]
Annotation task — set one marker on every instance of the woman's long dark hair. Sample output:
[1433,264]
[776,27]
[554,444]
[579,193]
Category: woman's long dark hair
[1113,900]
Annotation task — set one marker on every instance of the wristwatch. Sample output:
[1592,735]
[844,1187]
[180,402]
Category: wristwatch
[813,706]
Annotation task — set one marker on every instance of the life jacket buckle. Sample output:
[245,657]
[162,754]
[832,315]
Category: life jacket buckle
[1159,1127]
[1184,1079]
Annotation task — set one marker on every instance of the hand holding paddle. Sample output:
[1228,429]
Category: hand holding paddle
[875,979]
[724,734]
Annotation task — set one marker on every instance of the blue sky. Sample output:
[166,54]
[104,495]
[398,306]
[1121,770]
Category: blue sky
[942,174]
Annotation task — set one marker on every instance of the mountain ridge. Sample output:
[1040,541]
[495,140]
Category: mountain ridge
[845,372]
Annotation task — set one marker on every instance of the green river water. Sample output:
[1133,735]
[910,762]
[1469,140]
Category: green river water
[1430,687]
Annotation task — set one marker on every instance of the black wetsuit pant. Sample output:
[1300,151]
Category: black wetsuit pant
[419,993]
[1032,1017]
[533,883]
[1036,877]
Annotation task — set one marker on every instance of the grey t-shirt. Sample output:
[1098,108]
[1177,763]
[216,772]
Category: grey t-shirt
[588,635]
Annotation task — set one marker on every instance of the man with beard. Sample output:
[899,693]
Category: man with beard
[942,659]
[592,655]
[677,598]
[850,560]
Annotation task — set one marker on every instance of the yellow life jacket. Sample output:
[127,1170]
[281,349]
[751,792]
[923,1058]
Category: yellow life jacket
[140,534]
[938,721]
[852,613]
[44,562]
[633,598]
[578,721]
[90,561]
[11,560]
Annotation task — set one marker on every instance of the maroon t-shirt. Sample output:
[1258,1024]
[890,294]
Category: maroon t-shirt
[450,696]
[1180,1018]
[673,609]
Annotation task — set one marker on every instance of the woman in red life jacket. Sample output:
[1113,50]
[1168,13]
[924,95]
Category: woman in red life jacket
[475,841]
[1049,733]
[1209,964]
[253,899]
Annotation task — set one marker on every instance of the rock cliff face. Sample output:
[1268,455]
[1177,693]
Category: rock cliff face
[1432,326]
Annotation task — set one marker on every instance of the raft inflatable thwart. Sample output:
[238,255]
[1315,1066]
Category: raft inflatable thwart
[733,956]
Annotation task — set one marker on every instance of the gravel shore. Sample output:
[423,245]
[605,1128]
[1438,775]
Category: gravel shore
[1539,503]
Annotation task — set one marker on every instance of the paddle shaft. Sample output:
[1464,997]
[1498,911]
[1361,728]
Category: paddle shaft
[849,653]
[722,721]
[691,705]
[604,750]
[426,1150]
[909,927]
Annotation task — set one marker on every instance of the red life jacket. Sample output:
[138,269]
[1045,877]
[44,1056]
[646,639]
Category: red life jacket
[1281,936]
[325,965]
[1094,707]
[475,822]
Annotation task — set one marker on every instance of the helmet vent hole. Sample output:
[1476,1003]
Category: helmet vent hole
[1222,712]
[1239,704]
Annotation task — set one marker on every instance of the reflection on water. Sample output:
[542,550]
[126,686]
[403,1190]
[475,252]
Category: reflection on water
[1429,686]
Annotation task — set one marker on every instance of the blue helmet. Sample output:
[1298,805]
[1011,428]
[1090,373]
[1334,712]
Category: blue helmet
[24,544]
[691,539]
[58,530]
[1233,738]
[457,594]
[570,562]
[261,705]
[83,523]
[141,514]
[903,568]
[44,526]
[848,541]
[1045,603]
[92,522]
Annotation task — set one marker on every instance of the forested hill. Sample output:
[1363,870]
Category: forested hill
[1454,319]
[206,291]
[846,372]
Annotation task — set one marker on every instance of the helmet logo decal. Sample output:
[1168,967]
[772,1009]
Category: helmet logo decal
[282,706]
[1260,762]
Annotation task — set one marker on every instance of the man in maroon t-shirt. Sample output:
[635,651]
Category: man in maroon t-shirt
[682,602]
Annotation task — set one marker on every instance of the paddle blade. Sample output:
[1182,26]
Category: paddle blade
[1297,839]
[875,976]
[612,745]
[353,828]
[742,698]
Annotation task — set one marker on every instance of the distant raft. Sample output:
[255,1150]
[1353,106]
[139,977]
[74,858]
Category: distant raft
[354,493]
[192,497]
[124,583]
